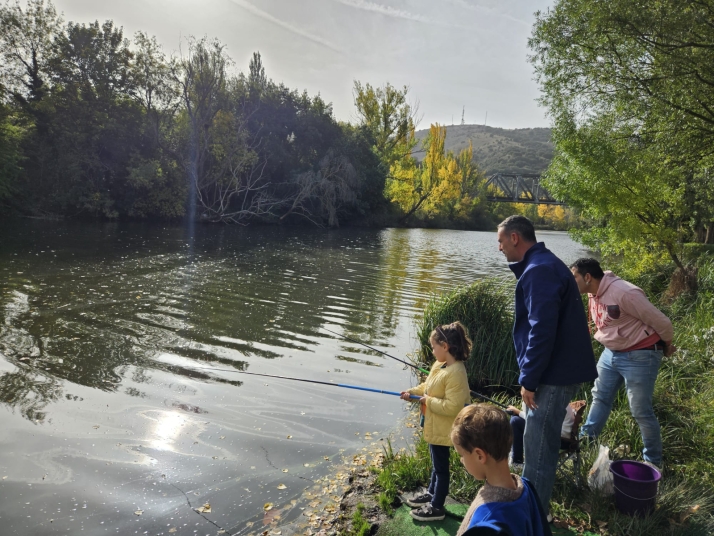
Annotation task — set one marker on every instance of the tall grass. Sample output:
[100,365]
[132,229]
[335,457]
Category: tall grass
[485,308]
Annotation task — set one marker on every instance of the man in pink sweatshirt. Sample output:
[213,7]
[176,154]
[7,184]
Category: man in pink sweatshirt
[635,335]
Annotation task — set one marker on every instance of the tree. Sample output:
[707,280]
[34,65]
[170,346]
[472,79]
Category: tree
[636,203]
[630,88]
[389,118]
[26,46]
[435,185]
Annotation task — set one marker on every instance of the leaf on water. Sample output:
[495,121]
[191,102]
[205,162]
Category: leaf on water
[205,509]
[282,486]
[172,530]
[95,426]
[268,507]
[285,470]
[222,437]
[138,512]
[290,437]
[306,464]
[327,458]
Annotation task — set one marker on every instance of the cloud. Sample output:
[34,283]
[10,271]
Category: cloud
[389,11]
[293,29]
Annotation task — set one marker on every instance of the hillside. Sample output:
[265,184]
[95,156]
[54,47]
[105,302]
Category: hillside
[523,150]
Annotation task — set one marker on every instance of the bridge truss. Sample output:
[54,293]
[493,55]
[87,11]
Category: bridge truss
[518,188]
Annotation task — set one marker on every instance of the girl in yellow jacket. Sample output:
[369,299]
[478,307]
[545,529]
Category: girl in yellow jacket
[444,394]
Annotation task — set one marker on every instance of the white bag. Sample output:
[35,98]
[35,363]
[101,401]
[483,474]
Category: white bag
[600,476]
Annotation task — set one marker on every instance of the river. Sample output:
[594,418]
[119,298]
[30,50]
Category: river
[122,407]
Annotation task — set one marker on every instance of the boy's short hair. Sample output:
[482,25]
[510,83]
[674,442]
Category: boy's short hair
[485,427]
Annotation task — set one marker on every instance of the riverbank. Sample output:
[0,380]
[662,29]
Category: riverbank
[683,402]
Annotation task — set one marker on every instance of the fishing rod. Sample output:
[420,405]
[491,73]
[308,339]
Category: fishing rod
[473,393]
[359,388]
[378,351]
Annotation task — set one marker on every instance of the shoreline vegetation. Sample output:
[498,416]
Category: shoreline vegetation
[95,126]
[682,401]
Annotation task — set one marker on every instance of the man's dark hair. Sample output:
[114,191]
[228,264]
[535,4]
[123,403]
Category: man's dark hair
[519,225]
[588,266]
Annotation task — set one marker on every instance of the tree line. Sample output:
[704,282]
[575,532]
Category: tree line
[94,125]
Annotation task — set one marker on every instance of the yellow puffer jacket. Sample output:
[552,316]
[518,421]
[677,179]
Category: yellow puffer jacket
[448,390]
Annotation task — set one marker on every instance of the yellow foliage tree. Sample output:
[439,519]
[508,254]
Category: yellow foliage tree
[440,184]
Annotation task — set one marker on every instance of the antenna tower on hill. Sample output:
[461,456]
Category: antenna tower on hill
[463,112]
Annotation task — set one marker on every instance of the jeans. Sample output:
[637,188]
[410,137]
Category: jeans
[439,484]
[541,440]
[518,425]
[638,371]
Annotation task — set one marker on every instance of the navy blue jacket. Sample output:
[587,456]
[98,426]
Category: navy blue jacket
[550,331]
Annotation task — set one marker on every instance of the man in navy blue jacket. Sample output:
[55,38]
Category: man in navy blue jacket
[552,342]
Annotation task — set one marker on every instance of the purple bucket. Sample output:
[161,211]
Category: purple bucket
[635,486]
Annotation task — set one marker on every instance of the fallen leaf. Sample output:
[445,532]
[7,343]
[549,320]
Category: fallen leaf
[172,530]
[285,470]
[306,464]
[4,477]
[685,515]
[282,486]
[139,512]
[95,426]
[326,457]
[205,509]
[302,413]
[267,507]
[249,524]
[222,437]
[290,437]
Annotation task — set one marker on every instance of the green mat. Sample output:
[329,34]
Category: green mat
[402,524]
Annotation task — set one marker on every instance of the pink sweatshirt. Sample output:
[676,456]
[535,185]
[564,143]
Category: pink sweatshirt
[624,316]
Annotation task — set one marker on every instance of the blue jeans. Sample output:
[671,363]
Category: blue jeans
[439,484]
[541,440]
[638,371]
[518,425]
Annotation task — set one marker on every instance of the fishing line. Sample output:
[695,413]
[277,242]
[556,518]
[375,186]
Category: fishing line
[416,367]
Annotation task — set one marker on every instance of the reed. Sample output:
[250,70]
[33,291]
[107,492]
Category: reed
[485,308]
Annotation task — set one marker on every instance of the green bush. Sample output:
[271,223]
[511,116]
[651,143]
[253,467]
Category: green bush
[486,309]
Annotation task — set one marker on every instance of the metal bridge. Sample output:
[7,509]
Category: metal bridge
[518,188]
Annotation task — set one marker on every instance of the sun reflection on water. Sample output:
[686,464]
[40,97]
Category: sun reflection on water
[167,428]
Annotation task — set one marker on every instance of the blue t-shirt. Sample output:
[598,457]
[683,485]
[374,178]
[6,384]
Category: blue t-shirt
[522,517]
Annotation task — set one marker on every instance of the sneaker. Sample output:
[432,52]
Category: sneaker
[419,500]
[428,513]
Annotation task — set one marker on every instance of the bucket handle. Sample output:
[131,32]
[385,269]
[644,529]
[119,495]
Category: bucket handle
[634,498]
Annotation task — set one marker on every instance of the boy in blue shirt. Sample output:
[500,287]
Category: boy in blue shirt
[507,504]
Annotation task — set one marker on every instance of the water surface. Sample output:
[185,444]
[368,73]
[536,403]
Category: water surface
[121,346]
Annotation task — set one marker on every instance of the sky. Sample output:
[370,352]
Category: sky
[453,54]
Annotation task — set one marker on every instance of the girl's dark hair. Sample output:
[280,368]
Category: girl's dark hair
[588,266]
[455,336]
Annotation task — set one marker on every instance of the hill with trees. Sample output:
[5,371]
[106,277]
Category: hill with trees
[500,150]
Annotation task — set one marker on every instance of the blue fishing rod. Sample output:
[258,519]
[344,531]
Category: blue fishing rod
[359,388]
